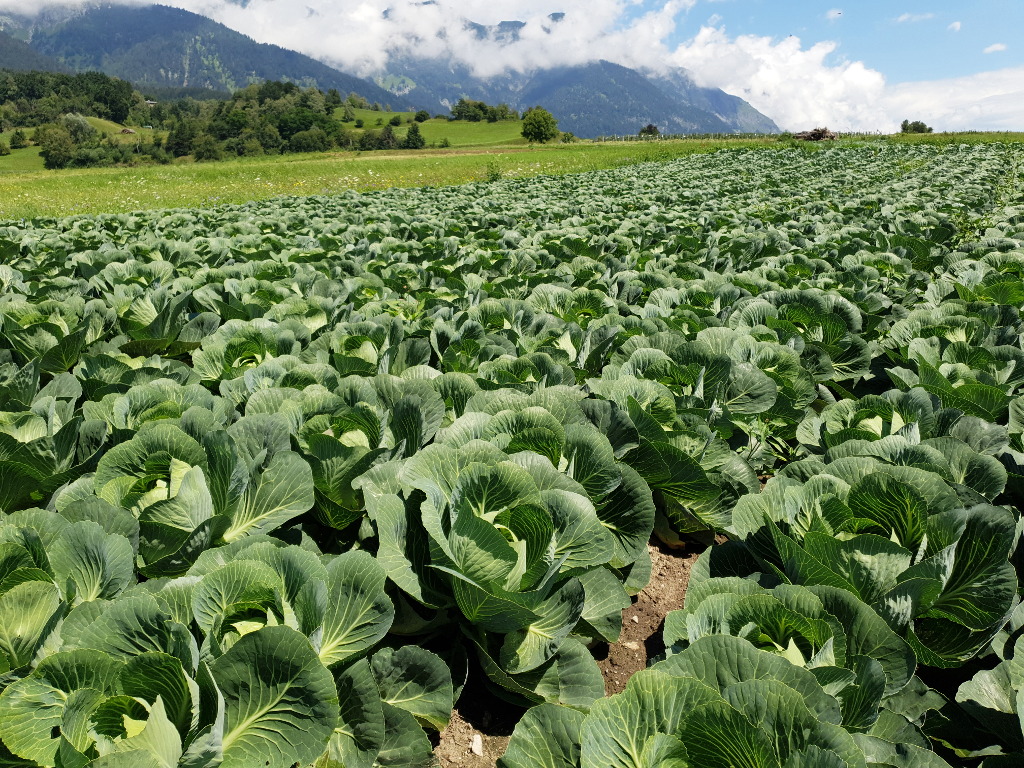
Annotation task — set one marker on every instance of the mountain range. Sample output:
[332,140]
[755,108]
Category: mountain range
[159,48]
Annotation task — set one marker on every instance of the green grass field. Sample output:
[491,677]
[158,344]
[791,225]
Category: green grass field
[120,190]
[113,130]
[459,133]
[28,159]
[20,160]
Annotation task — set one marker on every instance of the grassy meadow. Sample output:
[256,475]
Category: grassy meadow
[40,193]
[458,133]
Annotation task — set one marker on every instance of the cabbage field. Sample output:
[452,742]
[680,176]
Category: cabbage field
[279,481]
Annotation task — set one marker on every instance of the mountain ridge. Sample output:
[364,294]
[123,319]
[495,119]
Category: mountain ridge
[157,46]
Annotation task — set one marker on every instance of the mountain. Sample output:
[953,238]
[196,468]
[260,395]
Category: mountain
[731,109]
[18,55]
[590,100]
[157,46]
[595,99]
[608,99]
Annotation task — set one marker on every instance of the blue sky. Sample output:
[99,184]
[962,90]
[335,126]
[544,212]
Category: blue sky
[905,41]
[861,65]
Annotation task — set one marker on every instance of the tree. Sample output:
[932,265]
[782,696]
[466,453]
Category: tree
[649,130]
[182,136]
[4,148]
[81,130]
[268,136]
[539,125]
[369,141]
[313,140]
[357,101]
[19,140]
[57,148]
[396,120]
[387,139]
[914,127]
[501,112]
[469,110]
[414,139]
[422,116]
[205,147]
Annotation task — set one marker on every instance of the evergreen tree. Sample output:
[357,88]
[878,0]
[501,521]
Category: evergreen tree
[181,138]
[387,139]
[414,139]
[19,140]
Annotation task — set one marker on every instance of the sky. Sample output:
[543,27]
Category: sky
[859,65]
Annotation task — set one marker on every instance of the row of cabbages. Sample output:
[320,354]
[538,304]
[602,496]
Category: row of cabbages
[276,481]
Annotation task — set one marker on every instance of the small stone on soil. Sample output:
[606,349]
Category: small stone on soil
[477,747]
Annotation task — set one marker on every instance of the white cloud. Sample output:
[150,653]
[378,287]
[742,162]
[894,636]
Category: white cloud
[834,14]
[914,17]
[798,85]
[991,101]
[995,48]
[956,26]
[794,85]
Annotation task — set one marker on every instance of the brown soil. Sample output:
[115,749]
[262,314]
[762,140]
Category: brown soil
[455,748]
[479,713]
[642,622]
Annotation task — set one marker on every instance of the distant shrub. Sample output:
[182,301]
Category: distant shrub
[493,171]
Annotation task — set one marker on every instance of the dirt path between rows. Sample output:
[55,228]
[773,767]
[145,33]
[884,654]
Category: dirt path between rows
[481,724]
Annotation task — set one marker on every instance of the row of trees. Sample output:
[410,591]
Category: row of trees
[266,118]
[539,125]
[478,111]
[29,99]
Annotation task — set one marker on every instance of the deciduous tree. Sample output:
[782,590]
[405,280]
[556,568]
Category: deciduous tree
[539,125]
